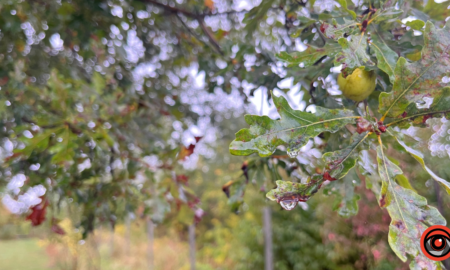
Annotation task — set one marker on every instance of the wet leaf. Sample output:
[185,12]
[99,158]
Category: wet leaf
[418,117]
[386,57]
[419,157]
[309,56]
[410,215]
[289,193]
[420,82]
[293,130]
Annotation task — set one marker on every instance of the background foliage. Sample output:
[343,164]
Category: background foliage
[121,110]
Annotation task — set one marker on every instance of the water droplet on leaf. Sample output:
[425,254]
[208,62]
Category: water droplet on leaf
[289,204]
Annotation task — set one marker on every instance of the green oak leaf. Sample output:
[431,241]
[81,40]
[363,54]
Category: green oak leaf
[420,82]
[309,56]
[343,4]
[353,54]
[336,31]
[404,206]
[293,130]
[297,191]
[417,117]
[416,24]
[386,57]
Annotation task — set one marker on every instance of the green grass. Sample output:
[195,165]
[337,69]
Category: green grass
[22,254]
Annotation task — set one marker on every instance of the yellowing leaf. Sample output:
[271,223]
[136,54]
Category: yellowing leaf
[209,4]
[410,215]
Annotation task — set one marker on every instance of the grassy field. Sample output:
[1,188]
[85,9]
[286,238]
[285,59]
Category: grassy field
[22,254]
[99,252]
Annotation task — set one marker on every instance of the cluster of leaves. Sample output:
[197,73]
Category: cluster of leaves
[84,122]
[82,119]
[91,93]
[411,76]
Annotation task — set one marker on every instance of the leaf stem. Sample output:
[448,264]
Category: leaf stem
[344,159]
[415,115]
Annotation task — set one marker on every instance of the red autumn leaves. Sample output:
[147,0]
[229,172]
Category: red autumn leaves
[37,215]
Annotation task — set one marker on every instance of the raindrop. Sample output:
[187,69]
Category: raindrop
[289,204]
[292,154]
[420,102]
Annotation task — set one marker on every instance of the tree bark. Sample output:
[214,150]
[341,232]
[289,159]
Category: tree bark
[150,236]
[127,234]
[192,245]
[268,249]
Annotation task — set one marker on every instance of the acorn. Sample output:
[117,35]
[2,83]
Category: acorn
[358,85]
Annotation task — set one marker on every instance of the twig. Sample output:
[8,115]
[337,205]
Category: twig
[171,9]
[209,35]
[189,13]
[190,30]
[198,17]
